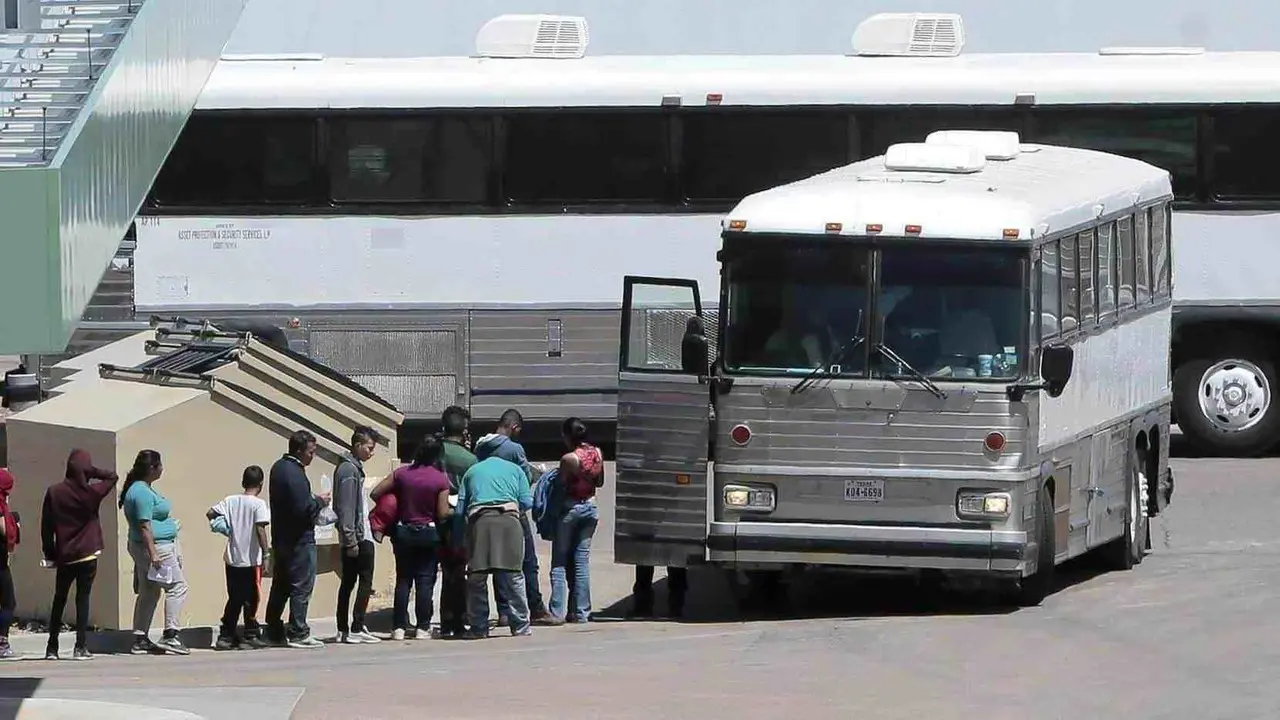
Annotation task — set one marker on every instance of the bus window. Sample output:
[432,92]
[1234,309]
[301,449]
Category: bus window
[1050,292]
[585,157]
[1141,255]
[1088,289]
[229,161]
[882,128]
[1164,138]
[947,308]
[793,304]
[1106,280]
[1160,249]
[388,160]
[1070,284]
[1245,154]
[1124,243]
[729,155]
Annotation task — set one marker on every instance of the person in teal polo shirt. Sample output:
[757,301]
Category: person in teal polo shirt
[157,557]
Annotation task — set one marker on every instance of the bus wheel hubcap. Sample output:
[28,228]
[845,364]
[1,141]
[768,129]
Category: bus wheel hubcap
[1234,395]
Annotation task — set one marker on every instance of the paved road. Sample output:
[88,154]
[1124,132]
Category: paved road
[1192,633]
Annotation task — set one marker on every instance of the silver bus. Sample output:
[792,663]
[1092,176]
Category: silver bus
[952,357]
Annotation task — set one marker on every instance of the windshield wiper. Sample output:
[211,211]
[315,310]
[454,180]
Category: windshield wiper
[923,379]
[808,380]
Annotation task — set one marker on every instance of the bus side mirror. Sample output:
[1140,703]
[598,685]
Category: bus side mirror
[1056,363]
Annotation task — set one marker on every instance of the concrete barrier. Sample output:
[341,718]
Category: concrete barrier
[51,709]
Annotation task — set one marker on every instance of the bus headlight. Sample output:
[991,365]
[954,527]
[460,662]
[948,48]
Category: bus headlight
[749,499]
[983,505]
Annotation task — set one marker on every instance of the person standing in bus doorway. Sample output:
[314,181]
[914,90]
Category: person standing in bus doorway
[493,496]
[453,554]
[294,511]
[352,505]
[503,443]
[694,356]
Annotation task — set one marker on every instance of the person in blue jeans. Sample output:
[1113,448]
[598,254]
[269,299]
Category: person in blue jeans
[582,472]
[503,443]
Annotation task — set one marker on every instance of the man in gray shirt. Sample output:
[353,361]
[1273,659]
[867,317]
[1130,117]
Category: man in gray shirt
[351,504]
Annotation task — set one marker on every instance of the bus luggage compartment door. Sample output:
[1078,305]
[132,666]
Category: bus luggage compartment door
[663,427]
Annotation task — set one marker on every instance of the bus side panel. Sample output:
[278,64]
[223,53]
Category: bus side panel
[661,505]
[549,364]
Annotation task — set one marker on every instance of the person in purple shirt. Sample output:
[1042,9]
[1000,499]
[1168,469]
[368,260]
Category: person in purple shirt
[421,490]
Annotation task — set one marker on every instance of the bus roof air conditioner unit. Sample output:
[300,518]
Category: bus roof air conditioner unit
[993,144]
[924,157]
[909,35]
[533,36]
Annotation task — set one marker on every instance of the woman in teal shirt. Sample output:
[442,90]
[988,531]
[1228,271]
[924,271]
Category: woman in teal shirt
[157,557]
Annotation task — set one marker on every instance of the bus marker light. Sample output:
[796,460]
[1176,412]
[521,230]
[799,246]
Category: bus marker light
[994,441]
[913,229]
[834,227]
[874,228]
[740,434]
[737,224]
[683,480]
[714,98]
[1011,233]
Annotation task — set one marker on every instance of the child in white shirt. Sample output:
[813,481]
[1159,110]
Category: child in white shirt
[247,516]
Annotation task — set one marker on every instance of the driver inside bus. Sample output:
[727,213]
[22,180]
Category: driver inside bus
[805,338]
[967,330]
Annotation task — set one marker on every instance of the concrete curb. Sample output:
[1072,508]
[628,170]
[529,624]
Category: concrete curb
[49,709]
[107,642]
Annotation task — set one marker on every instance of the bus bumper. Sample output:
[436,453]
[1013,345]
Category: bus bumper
[871,546]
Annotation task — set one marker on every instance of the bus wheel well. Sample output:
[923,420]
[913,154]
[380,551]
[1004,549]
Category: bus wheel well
[1048,487]
[1198,339]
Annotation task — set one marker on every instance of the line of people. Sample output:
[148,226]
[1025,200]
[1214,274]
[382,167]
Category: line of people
[453,513]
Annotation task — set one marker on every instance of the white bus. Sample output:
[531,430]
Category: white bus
[453,230]
[939,359]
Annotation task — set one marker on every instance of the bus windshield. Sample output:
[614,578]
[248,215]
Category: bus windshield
[952,312]
[795,305]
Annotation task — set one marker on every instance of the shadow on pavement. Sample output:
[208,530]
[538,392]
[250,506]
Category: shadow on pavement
[833,594]
[19,688]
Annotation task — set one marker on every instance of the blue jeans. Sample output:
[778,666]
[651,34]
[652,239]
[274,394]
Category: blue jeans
[293,579]
[572,545]
[532,592]
[416,569]
[505,584]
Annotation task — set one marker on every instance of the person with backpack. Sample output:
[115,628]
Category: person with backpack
[9,538]
[243,518]
[503,443]
[581,474]
[71,540]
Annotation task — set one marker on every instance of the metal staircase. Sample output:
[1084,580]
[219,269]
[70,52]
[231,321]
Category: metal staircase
[93,94]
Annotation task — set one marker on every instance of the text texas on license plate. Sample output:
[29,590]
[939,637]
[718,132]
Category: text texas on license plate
[863,490]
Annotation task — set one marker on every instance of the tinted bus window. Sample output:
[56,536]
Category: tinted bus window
[913,124]
[1164,138]
[1245,152]
[411,159]
[226,160]
[729,155]
[568,157]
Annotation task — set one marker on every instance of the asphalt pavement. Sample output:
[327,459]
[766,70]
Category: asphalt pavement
[1193,633]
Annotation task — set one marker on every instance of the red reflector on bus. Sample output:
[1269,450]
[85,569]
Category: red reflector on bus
[740,434]
[994,442]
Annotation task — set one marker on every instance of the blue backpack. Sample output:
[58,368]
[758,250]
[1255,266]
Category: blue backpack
[548,503]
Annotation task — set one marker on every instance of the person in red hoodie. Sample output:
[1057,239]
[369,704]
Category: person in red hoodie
[8,543]
[71,535]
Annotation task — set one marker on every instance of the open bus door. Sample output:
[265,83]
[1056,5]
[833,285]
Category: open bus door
[664,423]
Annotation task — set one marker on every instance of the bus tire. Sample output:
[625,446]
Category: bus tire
[1246,366]
[1126,551]
[1033,589]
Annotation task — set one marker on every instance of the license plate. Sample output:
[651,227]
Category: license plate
[862,490]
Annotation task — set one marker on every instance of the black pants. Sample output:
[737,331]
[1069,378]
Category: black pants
[242,599]
[82,574]
[677,588]
[416,569]
[293,579]
[8,598]
[453,587]
[358,568]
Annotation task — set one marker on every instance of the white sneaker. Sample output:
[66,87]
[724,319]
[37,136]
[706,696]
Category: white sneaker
[397,635]
[350,639]
[367,637]
[306,643]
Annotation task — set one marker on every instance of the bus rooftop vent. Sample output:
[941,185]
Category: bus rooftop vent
[1151,51]
[533,36]
[909,35]
[923,157]
[993,144]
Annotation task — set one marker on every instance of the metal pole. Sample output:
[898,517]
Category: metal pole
[88,42]
[44,134]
